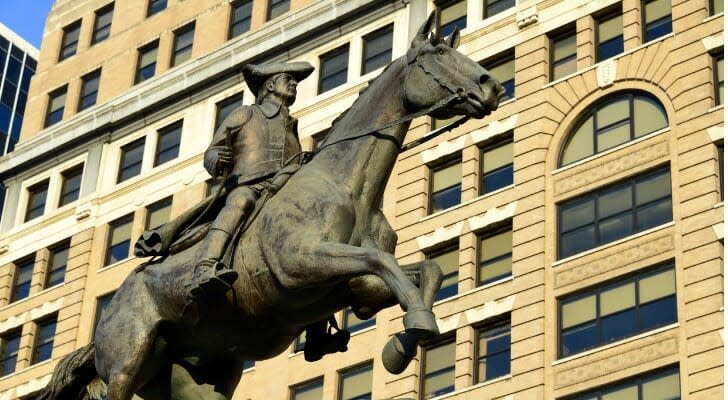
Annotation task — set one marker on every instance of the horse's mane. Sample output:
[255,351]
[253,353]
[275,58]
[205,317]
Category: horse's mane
[366,87]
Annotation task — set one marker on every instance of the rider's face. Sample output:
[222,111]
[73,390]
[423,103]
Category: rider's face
[285,87]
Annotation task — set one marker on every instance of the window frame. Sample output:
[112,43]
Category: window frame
[125,149]
[450,246]
[116,224]
[67,175]
[39,342]
[499,60]
[328,56]
[157,206]
[101,33]
[180,55]
[646,25]
[51,268]
[504,141]
[438,166]
[54,116]
[311,383]
[455,23]
[225,107]
[69,49]
[5,337]
[486,328]
[604,17]
[25,262]
[352,371]
[83,95]
[171,129]
[597,393]
[32,191]
[712,8]
[154,7]
[486,235]
[444,341]
[596,291]
[593,195]
[233,24]
[376,34]
[101,303]
[364,324]
[141,51]
[718,84]
[558,36]
[272,4]
[486,5]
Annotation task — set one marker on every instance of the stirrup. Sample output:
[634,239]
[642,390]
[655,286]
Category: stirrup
[217,279]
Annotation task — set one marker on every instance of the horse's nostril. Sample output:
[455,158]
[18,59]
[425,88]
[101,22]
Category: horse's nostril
[484,78]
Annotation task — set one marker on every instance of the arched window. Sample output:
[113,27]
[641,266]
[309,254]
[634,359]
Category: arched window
[612,122]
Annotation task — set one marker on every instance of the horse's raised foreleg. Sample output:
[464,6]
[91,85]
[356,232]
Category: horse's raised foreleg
[333,262]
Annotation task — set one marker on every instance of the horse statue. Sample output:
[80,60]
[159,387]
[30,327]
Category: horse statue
[319,245]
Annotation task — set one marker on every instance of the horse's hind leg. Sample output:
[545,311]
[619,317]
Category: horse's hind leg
[333,262]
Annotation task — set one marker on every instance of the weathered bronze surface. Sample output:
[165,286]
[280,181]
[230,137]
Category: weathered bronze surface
[319,244]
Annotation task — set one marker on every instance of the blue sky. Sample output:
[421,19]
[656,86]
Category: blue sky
[26,18]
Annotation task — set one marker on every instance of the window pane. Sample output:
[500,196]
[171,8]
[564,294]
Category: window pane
[71,186]
[445,199]
[578,311]
[357,384]
[57,266]
[183,45]
[158,214]
[494,353]
[653,187]
[439,370]
[497,179]
[10,343]
[334,69]
[156,6]
[657,286]
[119,240]
[453,15]
[168,144]
[23,276]
[131,160]
[666,387]
[504,71]
[377,50]
[495,257]
[615,201]
[617,299]
[446,177]
[580,145]
[240,18]
[628,393]
[577,241]
[648,117]
[36,200]
[657,9]
[564,47]
[278,7]
[579,338]
[102,25]
[615,228]
[46,332]
[498,157]
[309,391]
[613,112]
[612,137]
[577,213]
[610,28]
[352,323]
[658,313]
[449,263]
[493,7]
[495,246]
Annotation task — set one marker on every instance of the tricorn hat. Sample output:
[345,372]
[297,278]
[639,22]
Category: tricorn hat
[256,75]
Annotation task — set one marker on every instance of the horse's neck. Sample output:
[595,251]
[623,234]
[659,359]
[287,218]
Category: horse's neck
[362,166]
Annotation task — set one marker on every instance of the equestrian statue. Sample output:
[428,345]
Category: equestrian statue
[298,241]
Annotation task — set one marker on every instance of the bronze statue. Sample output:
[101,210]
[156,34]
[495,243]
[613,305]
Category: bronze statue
[319,244]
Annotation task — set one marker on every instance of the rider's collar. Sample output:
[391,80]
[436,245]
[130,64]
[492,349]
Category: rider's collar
[269,109]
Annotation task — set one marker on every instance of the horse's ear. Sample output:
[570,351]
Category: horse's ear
[425,29]
[438,28]
[454,39]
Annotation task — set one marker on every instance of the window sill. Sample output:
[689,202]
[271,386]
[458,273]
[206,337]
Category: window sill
[719,205]
[24,370]
[32,296]
[114,265]
[712,17]
[615,344]
[474,387]
[455,207]
[473,290]
[611,244]
[367,329]
[716,108]
[610,151]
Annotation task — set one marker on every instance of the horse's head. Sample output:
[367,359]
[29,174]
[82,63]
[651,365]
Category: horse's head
[438,73]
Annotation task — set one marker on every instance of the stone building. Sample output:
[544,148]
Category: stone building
[580,226]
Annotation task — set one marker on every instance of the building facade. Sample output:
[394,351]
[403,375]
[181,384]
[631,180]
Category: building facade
[580,226]
[18,61]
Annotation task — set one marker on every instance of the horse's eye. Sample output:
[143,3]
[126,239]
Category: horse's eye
[440,51]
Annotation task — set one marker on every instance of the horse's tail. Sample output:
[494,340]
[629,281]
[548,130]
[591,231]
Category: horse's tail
[71,376]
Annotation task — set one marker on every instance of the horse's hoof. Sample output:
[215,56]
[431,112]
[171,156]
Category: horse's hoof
[399,352]
[421,323]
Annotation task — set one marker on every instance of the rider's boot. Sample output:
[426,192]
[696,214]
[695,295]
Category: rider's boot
[212,277]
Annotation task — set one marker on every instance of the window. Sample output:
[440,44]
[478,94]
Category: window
[156,6]
[352,323]
[662,385]
[497,166]
[494,352]
[277,8]
[102,24]
[56,104]
[377,49]
[334,66]
[616,311]
[70,185]
[657,19]
[495,256]
[9,346]
[716,7]
[182,48]
[313,390]
[611,123]
[493,7]
[22,278]
[453,14]
[719,148]
[102,302]
[300,342]
[610,41]
[69,43]
[119,240]
[563,54]
[318,139]
[130,164]
[445,182]
[449,262]
[147,63]
[438,370]
[225,107]
[37,195]
[168,143]
[614,212]
[440,123]
[247,364]
[89,90]
[718,78]
[44,336]
[503,68]
[57,262]
[240,16]
[356,383]
[158,213]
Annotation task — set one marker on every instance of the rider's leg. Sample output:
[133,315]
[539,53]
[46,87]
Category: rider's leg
[211,275]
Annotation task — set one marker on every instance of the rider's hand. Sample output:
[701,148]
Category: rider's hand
[217,158]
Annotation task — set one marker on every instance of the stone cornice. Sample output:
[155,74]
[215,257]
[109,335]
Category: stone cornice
[270,42]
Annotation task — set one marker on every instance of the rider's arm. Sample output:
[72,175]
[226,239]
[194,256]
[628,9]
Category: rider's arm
[219,154]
